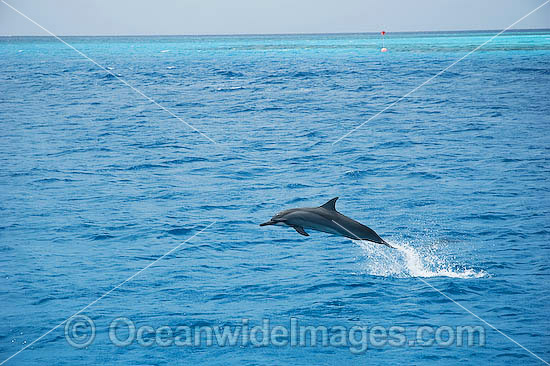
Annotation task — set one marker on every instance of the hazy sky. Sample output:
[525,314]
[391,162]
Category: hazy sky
[108,17]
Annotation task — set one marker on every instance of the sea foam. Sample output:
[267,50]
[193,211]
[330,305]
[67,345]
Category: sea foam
[410,261]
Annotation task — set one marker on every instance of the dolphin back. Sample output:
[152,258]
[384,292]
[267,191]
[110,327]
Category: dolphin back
[347,226]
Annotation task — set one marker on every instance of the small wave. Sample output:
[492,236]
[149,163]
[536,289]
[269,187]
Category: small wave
[101,237]
[303,74]
[52,180]
[146,166]
[423,175]
[530,70]
[296,186]
[411,262]
[355,173]
[229,88]
[164,51]
[189,104]
[180,231]
[269,109]
[189,159]
[108,76]
[5,248]
[229,73]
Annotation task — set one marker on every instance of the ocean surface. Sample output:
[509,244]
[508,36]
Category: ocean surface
[97,182]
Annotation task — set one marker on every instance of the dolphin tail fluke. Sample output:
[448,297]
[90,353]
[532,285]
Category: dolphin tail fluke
[386,244]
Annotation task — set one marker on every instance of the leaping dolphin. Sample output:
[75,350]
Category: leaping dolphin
[325,218]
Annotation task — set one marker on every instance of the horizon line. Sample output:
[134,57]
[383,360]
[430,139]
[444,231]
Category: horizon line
[273,34]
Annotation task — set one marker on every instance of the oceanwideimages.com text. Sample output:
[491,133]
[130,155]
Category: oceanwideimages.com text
[80,332]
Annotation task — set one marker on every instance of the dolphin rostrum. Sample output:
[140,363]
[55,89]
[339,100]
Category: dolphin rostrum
[325,218]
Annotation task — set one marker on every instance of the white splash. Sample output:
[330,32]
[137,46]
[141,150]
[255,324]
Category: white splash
[230,88]
[408,261]
[164,51]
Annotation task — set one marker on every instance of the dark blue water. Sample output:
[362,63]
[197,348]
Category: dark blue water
[97,182]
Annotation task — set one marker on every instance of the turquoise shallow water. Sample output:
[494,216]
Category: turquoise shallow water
[97,182]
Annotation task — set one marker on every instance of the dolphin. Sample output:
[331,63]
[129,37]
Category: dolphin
[325,218]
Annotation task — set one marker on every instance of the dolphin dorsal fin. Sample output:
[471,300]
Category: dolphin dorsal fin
[330,205]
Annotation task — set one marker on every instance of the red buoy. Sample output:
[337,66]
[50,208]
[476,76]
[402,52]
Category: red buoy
[383,33]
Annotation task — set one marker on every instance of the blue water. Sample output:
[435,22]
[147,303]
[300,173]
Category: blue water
[97,182]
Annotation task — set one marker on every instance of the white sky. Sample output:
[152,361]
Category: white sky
[136,17]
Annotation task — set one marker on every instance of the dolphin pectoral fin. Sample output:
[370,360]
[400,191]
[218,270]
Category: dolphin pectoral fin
[300,230]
